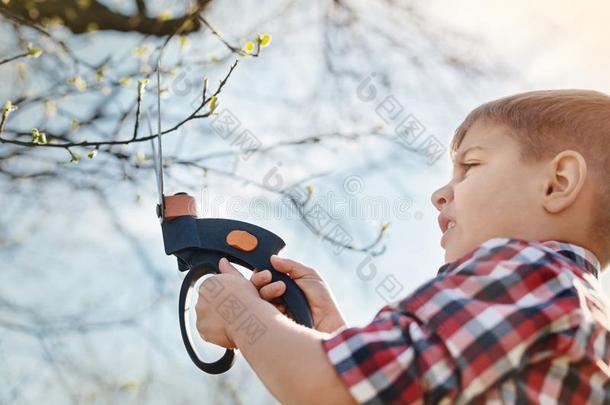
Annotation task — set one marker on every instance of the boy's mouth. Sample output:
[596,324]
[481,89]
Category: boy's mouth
[445,222]
[451,225]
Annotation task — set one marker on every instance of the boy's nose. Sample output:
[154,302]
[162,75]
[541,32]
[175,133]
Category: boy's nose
[442,196]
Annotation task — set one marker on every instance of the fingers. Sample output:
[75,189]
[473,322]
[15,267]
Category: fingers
[296,269]
[267,290]
[272,291]
[260,278]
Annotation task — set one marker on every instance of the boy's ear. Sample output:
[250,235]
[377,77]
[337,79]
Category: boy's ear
[566,177]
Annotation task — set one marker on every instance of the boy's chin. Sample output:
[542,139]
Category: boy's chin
[452,254]
[448,256]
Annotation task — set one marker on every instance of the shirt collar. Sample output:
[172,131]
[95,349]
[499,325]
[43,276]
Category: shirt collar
[583,257]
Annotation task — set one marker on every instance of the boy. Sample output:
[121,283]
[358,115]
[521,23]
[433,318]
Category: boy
[515,315]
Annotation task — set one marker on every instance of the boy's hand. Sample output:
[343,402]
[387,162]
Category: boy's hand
[326,315]
[217,294]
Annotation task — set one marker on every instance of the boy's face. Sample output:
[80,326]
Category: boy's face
[499,196]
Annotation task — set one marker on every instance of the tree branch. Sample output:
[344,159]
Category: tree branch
[96,14]
[133,139]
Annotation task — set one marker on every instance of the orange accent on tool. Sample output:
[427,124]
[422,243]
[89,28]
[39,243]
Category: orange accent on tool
[242,240]
[179,205]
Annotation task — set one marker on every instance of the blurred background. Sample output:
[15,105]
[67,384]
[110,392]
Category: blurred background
[331,130]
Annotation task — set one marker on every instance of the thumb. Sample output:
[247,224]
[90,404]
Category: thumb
[226,267]
[293,268]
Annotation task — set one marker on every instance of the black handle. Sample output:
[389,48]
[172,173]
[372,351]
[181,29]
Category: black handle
[294,300]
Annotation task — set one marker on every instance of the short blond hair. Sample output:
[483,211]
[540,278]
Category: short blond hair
[545,122]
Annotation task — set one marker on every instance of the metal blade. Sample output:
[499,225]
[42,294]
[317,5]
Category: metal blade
[159,143]
[158,153]
[158,168]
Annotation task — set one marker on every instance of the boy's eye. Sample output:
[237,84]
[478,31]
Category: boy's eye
[467,166]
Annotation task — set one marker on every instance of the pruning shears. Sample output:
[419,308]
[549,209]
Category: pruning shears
[199,243]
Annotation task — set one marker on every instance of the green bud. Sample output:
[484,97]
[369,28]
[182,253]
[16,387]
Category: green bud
[74,157]
[142,85]
[213,103]
[34,52]
[8,107]
[248,47]
[263,40]
[384,226]
[39,138]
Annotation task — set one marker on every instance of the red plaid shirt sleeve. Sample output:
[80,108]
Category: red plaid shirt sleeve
[513,321]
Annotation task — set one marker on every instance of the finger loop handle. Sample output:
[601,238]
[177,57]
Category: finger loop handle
[226,361]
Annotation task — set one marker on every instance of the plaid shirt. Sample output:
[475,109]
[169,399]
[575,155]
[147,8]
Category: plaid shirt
[512,321]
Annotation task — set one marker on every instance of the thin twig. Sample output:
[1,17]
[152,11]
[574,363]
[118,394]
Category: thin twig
[232,48]
[23,55]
